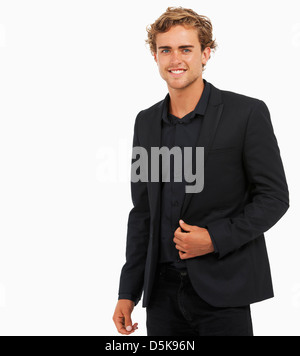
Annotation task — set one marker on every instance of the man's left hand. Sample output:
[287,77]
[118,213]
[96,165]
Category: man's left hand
[194,242]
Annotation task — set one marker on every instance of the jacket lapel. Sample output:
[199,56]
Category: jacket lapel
[207,133]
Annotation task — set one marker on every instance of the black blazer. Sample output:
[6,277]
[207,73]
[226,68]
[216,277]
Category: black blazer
[245,193]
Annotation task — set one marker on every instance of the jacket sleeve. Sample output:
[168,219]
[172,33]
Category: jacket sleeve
[138,229]
[269,194]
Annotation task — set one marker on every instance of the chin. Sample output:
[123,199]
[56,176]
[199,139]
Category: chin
[179,85]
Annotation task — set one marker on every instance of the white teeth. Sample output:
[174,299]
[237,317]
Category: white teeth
[177,71]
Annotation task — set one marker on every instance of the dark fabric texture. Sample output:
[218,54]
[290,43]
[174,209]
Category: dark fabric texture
[176,309]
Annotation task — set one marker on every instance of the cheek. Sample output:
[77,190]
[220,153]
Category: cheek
[195,65]
[162,70]
[162,65]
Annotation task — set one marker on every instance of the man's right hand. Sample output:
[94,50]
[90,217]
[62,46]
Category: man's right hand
[122,317]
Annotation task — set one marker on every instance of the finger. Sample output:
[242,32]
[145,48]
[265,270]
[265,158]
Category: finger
[119,322]
[128,322]
[134,327]
[177,241]
[183,255]
[181,235]
[178,230]
[184,226]
[181,249]
[179,246]
[123,331]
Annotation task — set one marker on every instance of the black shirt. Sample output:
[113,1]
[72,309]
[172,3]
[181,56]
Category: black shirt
[182,133]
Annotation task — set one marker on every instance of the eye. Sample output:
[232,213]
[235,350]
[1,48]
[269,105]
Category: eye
[186,50]
[165,50]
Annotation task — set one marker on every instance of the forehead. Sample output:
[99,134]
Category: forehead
[177,36]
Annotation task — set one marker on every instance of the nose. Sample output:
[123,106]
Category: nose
[176,58]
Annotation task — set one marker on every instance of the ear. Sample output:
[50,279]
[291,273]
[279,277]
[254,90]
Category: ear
[206,55]
[155,56]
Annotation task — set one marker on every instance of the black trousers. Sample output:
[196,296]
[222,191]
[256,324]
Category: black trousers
[176,309]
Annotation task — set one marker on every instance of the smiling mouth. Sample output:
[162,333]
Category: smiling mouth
[177,71]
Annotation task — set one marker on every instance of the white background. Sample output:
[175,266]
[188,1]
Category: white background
[73,76]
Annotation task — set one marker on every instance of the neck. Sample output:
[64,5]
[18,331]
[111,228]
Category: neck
[183,101]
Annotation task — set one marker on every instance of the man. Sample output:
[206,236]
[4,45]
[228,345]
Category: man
[201,258]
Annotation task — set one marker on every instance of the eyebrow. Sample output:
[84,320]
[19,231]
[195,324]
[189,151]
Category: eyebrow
[168,47]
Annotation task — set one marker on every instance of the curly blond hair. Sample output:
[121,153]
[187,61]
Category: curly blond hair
[181,16]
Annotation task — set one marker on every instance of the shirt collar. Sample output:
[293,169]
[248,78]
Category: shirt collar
[199,109]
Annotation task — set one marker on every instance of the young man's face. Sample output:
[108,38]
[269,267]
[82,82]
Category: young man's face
[179,50]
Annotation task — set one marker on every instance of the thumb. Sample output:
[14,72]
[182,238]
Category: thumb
[128,322]
[184,226]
